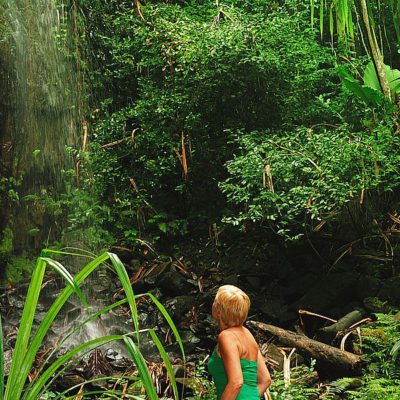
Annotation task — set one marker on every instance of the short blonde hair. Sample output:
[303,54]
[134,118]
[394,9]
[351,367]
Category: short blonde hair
[233,304]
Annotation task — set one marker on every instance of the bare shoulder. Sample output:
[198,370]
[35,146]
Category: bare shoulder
[226,336]
[250,335]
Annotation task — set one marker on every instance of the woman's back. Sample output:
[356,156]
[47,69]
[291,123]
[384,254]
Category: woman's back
[249,390]
[248,351]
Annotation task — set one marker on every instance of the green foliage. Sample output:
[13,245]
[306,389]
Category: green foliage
[313,175]
[170,88]
[6,244]
[297,389]
[378,344]
[18,268]
[370,92]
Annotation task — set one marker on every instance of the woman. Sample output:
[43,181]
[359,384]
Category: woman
[236,364]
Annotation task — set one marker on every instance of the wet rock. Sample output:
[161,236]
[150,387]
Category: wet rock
[125,254]
[297,286]
[189,338]
[173,283]
[68,380]
[254,282]
[273,309]
[367,286]
[7,361]
[230,280]
[117,361]
[179,306]
[333,290]
[99,382]
[390,291]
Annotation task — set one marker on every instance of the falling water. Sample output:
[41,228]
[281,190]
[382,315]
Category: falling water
[39,106]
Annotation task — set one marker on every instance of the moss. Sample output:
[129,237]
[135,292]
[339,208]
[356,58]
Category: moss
[6,244]
[19,267]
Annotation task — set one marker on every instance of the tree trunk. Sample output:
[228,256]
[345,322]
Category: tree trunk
[328,333]
[329,359]
[375,51]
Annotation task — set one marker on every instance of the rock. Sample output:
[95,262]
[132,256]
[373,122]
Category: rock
[173,283]
[297,286]
[367,286]
[390,291]
[7,361]
[179,306]
[124,253]
[254,282]
[333,290]
[273,308]
[230,280]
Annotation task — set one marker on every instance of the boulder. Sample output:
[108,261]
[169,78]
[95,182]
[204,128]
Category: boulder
[367,286]
[179,306]
[333,290]
[173,283]
[390,291]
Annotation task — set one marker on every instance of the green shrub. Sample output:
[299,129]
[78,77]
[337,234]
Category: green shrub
[297,180]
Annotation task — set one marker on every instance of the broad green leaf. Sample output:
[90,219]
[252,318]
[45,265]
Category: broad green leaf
[370,77]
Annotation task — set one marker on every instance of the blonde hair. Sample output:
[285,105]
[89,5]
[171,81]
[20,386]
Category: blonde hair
[233,304]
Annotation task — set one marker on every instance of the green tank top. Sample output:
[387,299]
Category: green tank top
[249,390]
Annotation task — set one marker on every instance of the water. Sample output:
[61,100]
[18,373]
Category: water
[41,103]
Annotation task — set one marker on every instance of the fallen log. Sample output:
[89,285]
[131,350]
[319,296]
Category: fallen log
[328,333]
[330,360]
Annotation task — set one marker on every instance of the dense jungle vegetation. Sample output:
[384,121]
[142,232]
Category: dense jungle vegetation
[247,142]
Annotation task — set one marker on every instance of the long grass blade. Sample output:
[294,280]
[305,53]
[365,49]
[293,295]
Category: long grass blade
[116,394]
[32,395]
[1,361]
[142,368]
[58,267]
[167,363]
[16,380]
[94,380]
[126,284]
[167,317]
[27,356]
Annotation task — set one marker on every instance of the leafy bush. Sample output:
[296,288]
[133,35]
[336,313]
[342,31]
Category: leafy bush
[302,179]
[171,86]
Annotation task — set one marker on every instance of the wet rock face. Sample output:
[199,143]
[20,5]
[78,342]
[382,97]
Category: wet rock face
[173,283]
[179,306]
[390,291]
[334,290]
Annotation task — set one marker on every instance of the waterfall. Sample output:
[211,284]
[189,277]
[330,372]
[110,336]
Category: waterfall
[39,107]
